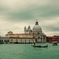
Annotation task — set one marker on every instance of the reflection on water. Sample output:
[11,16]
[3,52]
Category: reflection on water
[26,51]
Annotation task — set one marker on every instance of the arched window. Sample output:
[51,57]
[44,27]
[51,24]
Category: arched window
[33,33]
[38,37]
[38,33]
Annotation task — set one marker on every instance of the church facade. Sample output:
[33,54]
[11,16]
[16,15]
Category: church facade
[29,36]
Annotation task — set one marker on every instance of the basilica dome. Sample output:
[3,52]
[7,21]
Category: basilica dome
[37,28]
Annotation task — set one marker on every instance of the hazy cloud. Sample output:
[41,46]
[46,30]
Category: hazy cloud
[23,12]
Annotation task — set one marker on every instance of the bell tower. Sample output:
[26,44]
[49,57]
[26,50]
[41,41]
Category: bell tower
[25,29]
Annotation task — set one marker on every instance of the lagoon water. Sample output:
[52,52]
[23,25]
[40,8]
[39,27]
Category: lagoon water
[26,51]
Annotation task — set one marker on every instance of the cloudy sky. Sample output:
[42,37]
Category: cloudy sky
[15,14]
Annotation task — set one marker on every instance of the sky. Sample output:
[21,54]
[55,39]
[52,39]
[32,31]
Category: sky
[15,14]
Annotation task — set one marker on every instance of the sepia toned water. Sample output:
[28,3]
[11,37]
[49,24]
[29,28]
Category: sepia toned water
[27,51]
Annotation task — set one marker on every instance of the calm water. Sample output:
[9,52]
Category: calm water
[26,51]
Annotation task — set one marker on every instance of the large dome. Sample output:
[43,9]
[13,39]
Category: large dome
[37,28]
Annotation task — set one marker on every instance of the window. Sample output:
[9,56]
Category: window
[38,33]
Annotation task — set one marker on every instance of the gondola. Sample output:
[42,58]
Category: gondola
[39,46]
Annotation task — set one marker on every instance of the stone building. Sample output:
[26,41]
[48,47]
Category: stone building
[30,35]
[38,34]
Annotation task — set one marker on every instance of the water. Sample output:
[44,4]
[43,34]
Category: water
[26,51]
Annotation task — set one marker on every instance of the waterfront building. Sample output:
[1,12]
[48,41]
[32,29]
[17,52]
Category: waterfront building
[29,36]
[52,38]
[38,33]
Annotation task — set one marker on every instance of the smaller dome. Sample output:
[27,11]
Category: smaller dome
[29,29]
[10,32]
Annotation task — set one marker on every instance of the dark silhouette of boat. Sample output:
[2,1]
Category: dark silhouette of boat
[54,43]
[39,46]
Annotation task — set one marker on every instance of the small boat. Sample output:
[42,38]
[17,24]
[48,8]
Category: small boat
[55,43]
[39,46]
[42,45]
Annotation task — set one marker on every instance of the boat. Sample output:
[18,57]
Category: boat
[39,46]
[54,43]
